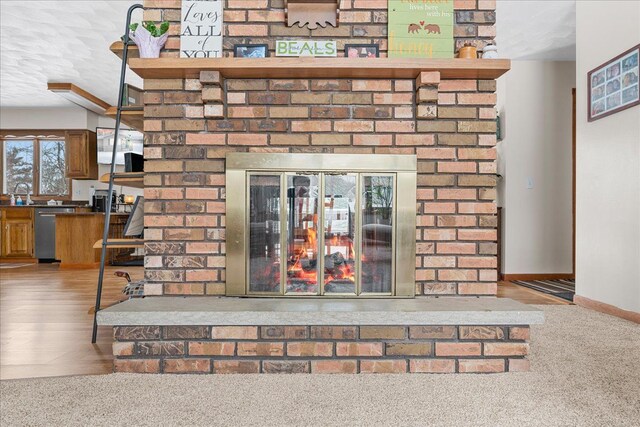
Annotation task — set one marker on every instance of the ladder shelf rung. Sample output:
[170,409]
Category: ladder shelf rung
[121,243]
[132,108]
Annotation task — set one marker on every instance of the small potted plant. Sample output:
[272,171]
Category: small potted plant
[149,38]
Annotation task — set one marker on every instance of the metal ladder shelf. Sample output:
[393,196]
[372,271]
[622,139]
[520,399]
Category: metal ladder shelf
[107,216]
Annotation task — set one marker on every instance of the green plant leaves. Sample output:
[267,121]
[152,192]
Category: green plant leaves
[153,29]
[164,27]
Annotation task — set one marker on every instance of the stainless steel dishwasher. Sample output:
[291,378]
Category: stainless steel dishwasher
[45,231]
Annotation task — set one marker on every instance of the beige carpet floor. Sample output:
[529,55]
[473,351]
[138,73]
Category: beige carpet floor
[586,372]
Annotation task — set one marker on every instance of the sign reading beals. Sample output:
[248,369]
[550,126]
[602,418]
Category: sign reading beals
[201,32]
[421,29]
[318,48]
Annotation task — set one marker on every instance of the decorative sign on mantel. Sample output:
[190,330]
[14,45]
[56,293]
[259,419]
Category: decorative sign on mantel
[421,29]
[201,31]
[317,48]
[312,13]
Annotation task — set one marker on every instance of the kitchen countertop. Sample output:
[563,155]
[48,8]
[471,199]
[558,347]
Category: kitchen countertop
[88,213]
[42,206]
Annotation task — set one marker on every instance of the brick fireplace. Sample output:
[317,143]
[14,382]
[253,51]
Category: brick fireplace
[449,125]
[195,125]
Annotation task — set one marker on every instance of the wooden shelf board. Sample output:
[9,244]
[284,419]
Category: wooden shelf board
[128,179]
[64,88]
[118,47]
[131,118]
[305,68]
[122,243]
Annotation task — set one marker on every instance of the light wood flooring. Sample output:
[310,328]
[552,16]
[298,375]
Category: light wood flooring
[526,295]
[45,319]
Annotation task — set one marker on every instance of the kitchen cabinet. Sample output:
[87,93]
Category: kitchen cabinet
[17,233]
[18,240]
[19,237]
[81,154]
[76,234]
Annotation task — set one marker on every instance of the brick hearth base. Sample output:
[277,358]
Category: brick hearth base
[268,335]
[320,349]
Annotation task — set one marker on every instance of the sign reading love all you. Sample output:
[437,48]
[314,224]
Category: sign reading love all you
[201,30]
[421,28]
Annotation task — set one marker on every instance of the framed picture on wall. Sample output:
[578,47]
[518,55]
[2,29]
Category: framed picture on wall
[361,51]
[614,85]
[251,51]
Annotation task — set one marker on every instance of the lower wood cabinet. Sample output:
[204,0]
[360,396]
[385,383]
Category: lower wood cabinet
[76,232]
[17,233]
[17,238]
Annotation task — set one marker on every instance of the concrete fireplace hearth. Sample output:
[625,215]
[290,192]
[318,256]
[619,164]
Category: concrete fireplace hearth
[351,199]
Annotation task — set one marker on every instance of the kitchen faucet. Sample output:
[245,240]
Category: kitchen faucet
[28,201]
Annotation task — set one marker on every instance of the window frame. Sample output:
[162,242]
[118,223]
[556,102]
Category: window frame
[36,136]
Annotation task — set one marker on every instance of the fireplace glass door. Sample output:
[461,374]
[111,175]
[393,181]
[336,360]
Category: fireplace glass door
[338,233]
[264,233]
[302,234]
[321,231]
[377,233]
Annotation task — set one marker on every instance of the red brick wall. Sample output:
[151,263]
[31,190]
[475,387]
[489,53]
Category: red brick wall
[321,349]
[190,125]
[361,21]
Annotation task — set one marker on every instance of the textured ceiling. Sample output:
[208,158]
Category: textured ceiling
[68,41]
[537,30]
[60,41]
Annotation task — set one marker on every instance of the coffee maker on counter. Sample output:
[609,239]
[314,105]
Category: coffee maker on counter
[100,201]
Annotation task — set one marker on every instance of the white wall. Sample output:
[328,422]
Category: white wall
[82,188]
[535,103]
[608,166]
[64,118]
[44,118]
[53,118]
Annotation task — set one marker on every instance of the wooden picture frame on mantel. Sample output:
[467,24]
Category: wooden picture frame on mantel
[251,51]
[615,85]
[362,51]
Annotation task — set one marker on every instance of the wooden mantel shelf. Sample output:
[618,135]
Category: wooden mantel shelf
[312,68]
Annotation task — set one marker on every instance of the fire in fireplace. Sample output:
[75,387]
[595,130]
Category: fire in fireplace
[320,225]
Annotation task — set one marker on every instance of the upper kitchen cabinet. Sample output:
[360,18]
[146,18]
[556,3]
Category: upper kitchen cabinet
[81,154]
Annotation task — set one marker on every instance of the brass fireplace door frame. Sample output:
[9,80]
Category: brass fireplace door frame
[239,166]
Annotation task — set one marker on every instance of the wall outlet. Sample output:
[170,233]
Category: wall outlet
[529,183]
